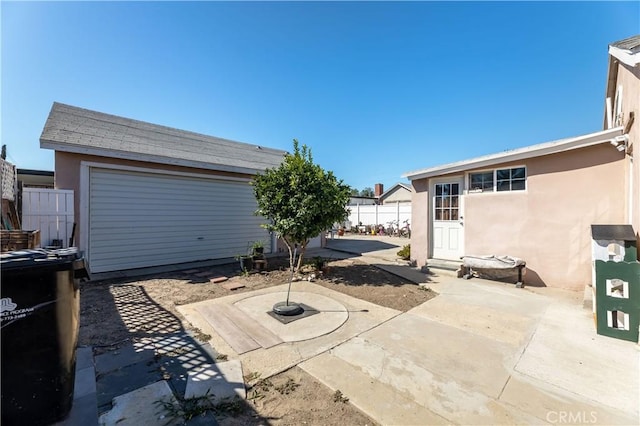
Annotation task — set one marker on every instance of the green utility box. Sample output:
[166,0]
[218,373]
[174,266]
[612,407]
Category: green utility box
[616,281]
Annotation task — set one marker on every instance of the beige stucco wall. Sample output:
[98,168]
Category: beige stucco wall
[67,175]
[400,194]
[548,225]
[629,78]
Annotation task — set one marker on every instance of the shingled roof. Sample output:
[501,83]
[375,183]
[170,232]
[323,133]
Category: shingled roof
[77,130]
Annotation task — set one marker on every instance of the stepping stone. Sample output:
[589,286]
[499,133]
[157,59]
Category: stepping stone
[122,357]
[141,407]
[216,280]
[232,286]
[218,381]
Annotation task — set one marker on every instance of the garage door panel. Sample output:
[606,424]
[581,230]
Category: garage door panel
[144,219]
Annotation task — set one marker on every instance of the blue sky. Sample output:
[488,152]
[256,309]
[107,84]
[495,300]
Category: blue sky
[376,89]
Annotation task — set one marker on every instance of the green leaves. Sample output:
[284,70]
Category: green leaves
[300,198]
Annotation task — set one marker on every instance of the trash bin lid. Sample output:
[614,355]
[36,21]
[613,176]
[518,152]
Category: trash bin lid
[37,257]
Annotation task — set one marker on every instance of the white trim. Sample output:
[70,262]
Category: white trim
[630,195]
[159,171]
[401,185]
[133,156]
[83,207]
[432,184]
[618,114]
[518,154]
[625,56]
[494,170]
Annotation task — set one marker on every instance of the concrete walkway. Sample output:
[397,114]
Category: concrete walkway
[480,352]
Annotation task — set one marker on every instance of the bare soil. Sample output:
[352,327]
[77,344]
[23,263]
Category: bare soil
[117,311]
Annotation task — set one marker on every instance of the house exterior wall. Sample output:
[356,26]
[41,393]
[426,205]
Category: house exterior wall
[67,175]
[629,79]
[420,217]
[548,224]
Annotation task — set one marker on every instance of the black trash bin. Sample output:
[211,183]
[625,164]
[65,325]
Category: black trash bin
[40,317]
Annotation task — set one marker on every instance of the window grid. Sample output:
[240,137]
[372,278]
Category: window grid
[501,180]
[447,201]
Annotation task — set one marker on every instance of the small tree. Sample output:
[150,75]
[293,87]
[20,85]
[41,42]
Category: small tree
[300,199]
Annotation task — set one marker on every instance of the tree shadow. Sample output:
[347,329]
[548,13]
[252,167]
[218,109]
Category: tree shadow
[361,246]
[359,275]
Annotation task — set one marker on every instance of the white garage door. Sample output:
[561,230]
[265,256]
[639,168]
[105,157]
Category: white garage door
[147,219]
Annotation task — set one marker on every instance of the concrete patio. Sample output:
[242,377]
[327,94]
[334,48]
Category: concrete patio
[479,353]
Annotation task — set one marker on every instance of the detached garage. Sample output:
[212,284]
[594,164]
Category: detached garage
[149,195]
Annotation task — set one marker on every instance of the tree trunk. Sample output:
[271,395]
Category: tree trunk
[303,249]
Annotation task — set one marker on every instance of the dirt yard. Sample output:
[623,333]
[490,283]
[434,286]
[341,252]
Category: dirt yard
[290,398]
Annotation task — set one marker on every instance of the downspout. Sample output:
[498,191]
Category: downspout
[630,195]
[629,152]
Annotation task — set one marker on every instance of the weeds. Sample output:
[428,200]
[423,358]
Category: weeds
[288,387]
[339,397]
[250,377]
[199,335]
[405,252]
[188,408]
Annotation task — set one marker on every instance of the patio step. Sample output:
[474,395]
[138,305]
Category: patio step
[444,266]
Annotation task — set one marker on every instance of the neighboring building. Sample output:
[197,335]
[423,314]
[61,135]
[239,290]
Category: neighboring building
[149,195]
[398,193]
[538,202]
[363,201]
[35,179]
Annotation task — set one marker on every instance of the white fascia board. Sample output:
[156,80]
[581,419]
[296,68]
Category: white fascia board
[518,154]
[62,147]
[393,188]
[629,57]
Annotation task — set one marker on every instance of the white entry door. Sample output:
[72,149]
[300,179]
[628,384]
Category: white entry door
[447,235]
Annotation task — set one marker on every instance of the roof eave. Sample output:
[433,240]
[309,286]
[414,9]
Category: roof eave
[158,159]
[626,56]
[518,154]
[393,188]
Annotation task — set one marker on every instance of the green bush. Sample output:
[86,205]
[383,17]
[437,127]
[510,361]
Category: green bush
[405,253]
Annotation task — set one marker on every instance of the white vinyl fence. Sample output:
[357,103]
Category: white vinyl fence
[379,215]
[50,211]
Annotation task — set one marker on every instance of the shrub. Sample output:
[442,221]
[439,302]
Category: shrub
[405,253]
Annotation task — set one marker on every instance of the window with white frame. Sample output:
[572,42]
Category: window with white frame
[511,179]
[479,182]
